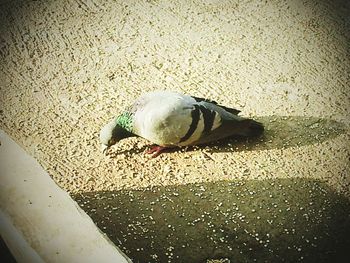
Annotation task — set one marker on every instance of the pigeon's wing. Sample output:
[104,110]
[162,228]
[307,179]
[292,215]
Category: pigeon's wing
[164,117]
[232,128]
[230,110]
[220,123]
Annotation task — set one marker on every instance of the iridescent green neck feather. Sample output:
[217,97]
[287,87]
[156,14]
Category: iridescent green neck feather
[125,121]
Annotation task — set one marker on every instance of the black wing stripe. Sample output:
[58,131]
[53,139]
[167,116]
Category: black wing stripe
[209,117]
[203,99]
[195,114]
[230,110]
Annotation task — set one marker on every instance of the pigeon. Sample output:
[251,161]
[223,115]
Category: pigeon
[170,119]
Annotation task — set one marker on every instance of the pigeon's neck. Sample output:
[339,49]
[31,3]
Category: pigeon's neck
[125,120]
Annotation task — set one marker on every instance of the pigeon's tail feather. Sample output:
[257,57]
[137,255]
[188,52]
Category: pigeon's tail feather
[250,128]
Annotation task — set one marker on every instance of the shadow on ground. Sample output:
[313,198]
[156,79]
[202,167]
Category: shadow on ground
[280,132]
[284,132]
[280,220]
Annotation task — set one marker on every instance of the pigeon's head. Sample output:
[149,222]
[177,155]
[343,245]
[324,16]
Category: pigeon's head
[109,135]
[112,133]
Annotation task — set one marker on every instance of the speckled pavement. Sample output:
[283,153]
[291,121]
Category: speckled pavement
[70,66]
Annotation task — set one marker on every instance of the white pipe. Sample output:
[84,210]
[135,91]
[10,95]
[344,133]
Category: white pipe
[39,221]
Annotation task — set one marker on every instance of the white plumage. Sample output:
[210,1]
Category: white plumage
[170,119]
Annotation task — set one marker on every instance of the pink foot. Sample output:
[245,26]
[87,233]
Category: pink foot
[156,150]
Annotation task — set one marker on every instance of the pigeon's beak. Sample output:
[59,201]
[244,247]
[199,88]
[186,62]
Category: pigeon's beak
[104,149]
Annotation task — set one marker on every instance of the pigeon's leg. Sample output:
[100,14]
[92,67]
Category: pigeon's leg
[157,150]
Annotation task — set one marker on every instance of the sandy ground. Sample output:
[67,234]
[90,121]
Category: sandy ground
[67,67]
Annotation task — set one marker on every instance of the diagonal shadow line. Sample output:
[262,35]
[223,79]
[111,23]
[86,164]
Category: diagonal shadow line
[275,220]
[280,132]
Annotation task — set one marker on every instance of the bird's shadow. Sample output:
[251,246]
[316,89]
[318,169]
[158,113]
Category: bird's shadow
[280,132]
[283,132]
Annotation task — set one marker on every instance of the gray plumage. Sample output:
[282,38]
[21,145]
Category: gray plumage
[171,119]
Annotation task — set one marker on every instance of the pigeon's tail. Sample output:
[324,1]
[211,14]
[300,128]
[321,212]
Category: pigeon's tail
[250,128]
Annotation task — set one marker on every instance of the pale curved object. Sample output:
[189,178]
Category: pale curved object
[39,221]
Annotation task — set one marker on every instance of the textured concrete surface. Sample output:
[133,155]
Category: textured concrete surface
[69,66]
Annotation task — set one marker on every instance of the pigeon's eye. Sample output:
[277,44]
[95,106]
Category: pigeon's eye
[112,141]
